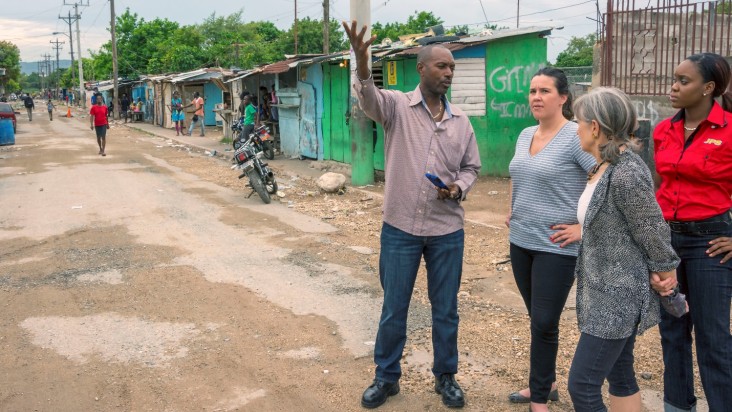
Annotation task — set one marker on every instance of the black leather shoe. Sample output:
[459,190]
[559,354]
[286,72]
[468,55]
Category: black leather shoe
[376,394]
[517,397]
[452,395]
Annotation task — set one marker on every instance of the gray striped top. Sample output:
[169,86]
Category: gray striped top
[546,188]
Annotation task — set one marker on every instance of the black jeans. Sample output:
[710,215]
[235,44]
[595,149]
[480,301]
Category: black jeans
[596,359]
[544,280]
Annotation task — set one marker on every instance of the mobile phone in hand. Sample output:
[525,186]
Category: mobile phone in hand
[436,181]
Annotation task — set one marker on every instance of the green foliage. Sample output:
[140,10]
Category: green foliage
[162,46]
[310,37]
[10,61]
[578,52]
[30,82]
[416,23]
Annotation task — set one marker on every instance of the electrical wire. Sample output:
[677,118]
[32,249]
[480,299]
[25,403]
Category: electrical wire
[523,15]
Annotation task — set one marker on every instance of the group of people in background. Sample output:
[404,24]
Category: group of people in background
[645,248]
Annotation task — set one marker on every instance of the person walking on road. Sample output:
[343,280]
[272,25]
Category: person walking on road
[423,132]
[29,106]
[197,114]
[50,107]
[99,123]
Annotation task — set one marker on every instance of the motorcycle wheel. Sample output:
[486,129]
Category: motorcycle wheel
[271,185]
[258,185]
[269,150]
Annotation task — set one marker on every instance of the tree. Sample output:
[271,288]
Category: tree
[30,82]
[579,52]
[310,37]
[419,22]
[10,61]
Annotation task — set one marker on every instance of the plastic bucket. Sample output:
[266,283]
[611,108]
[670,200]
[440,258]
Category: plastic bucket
[7,134]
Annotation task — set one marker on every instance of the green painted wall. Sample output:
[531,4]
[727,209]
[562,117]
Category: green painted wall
[336,134]
[510,64]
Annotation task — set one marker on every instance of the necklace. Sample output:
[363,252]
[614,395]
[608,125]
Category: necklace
[439,112]
[689,129]
[594,170]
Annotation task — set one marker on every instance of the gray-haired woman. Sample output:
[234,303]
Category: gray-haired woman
[624,240]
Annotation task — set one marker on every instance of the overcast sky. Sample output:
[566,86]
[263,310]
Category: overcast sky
[30,25]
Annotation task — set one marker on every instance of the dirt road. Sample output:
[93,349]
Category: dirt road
[147,281]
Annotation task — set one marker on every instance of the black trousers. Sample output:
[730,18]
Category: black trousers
[544,280]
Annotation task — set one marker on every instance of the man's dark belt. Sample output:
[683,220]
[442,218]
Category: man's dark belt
[713,224]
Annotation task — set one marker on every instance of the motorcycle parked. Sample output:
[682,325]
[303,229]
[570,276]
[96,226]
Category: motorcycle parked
[262,139]
[247,158]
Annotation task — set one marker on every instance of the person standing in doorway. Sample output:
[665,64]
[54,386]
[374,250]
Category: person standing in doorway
[197,114]
[423,132]
[29,106]
[548,173]
[249,113]
[99,123]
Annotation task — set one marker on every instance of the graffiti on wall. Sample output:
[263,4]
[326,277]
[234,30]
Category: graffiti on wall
[511,109]
[511,83]
[647,109]
[512,79]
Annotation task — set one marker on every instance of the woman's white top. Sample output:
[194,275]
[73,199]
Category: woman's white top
[584,201]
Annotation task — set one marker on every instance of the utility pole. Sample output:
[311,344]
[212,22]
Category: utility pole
[326,26]
[361,127]
[82,90]
[115,72]
[57,45]
[40,73]
[69,21]
[518,2]
[295,28]
[47,70]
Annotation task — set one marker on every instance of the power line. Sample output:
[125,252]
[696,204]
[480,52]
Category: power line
[523,15]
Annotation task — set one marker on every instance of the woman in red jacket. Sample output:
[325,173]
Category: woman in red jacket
[694,166]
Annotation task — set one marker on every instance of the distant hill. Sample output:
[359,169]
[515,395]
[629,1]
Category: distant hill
[32,67]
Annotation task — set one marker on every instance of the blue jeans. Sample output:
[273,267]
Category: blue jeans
[401,254]
[596,359]
[193,124]
[708,288]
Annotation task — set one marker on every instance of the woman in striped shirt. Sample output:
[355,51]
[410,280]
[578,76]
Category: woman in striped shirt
[548,174]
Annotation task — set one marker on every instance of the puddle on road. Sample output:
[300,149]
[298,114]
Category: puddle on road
[112,337]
